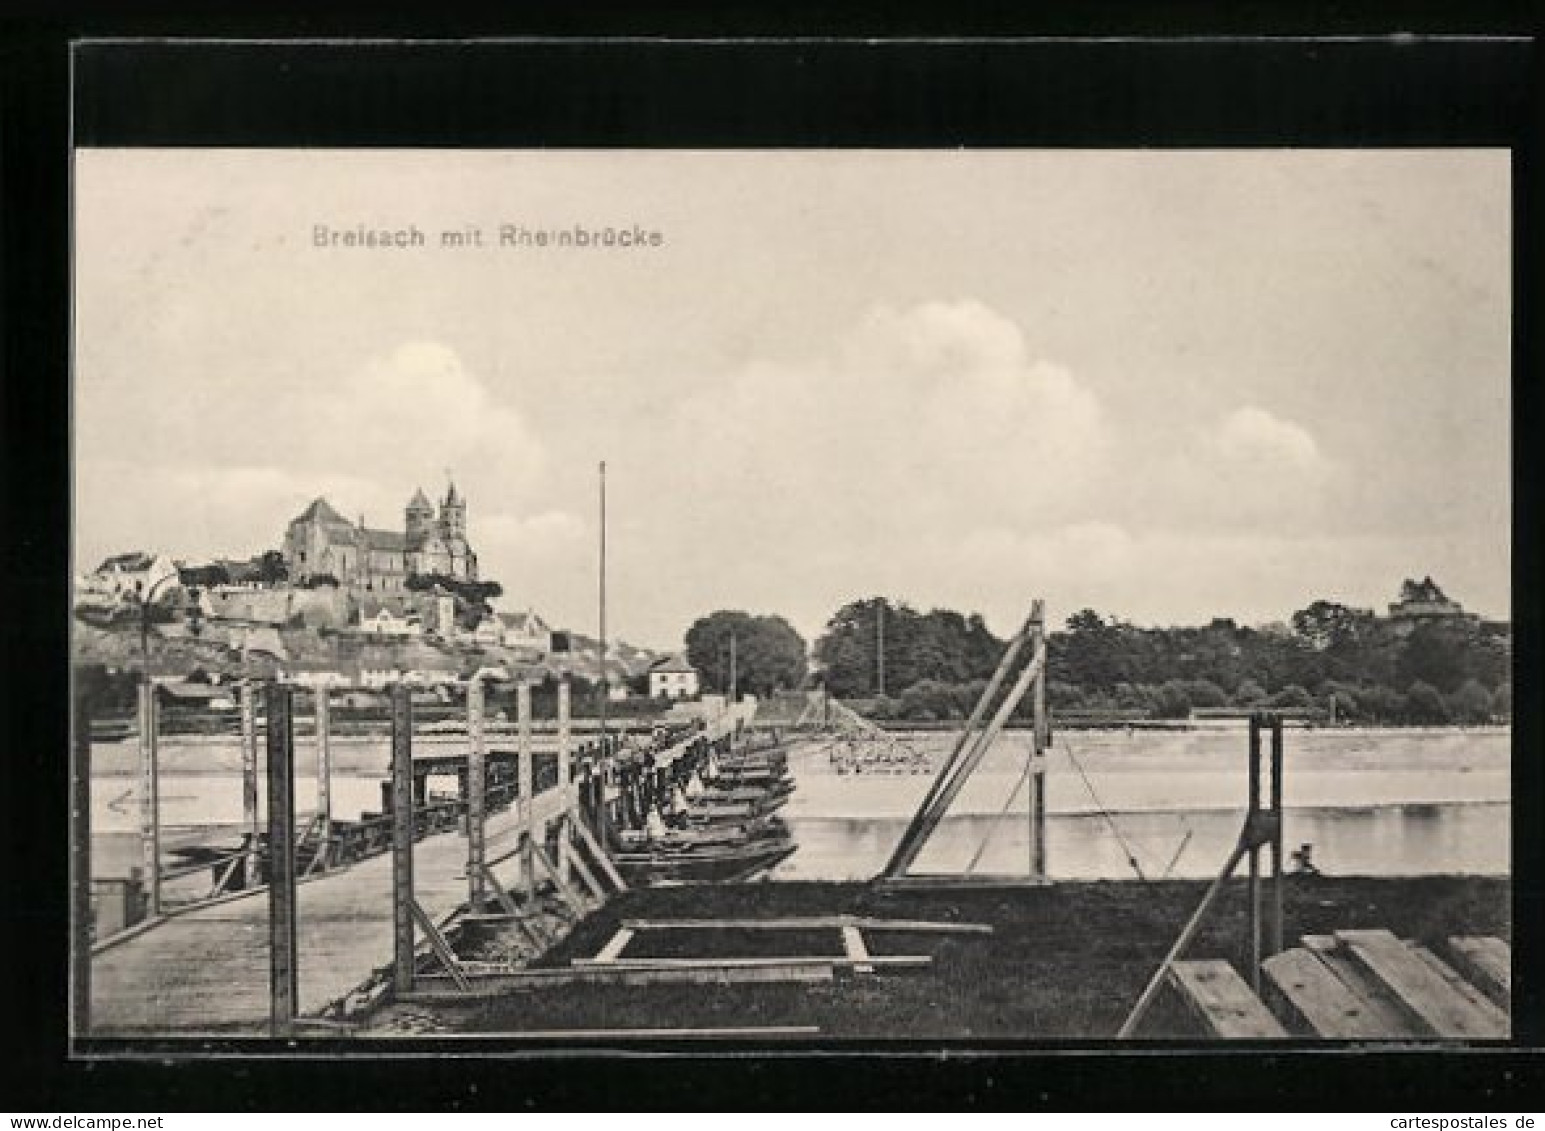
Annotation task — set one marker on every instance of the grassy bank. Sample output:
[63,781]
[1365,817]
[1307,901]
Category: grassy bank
[1063,962]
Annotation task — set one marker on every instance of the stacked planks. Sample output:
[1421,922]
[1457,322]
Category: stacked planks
[1358,985]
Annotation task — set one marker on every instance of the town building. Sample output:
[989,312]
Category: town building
[526,631]
[1422,602]
[128,576]
[320,543]
[673,678]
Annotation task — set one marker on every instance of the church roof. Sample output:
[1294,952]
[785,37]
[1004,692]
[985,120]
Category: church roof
[322,511]
[386,540]
[420,501]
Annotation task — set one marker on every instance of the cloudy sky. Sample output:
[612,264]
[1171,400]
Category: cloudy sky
[1167,385]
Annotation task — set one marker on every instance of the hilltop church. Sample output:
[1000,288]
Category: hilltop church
[321,542]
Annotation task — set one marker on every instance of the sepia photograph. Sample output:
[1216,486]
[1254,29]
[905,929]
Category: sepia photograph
[601,596]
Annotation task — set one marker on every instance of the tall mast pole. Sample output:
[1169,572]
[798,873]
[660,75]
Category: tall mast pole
[603,685]
[605,817]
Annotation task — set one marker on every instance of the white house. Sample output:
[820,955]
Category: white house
[673,678]
[526,631]
[130,575]
[376,618]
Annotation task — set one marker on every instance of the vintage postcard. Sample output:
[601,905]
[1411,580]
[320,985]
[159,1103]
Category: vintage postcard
[773,596]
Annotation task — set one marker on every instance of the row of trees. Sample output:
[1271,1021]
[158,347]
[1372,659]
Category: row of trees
[768,654]
[934,665]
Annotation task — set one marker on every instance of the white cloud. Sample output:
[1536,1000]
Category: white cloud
[1253,436]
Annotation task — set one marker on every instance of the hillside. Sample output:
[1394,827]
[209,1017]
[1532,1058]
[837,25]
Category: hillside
[219,648]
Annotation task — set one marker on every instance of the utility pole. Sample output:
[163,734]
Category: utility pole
[605,759]
[733,694]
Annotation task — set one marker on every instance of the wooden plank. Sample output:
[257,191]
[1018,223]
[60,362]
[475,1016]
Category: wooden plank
[1464,989]
[809,922]
[732,1033]
[1488,962]
[1420,991]
[284,988]
[946,880]
[1326,1005]
[1220,999]
[570,896]
[614,948]
[577,865]
[1382,1007]
[441,948]
[853,945]
[600,855]
[439,987]
[899,960]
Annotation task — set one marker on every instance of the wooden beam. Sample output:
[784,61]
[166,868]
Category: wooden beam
[80,866]
[570,896]
[533,979]
[324,780]
[577,864]
[477,792]
[284,991]
[949,767]
[1488,963]
[150,795]
[809,922]
[927,819]
[402,838]
[438,944]
[1383,1010]
[599,854]
[1420,990]
[872,960]
[1326,1005]
[853,946]
[1464,989]
[527,784]
[1221,1000]
[566,853]
[249,782]
[1188,932]
[615,946]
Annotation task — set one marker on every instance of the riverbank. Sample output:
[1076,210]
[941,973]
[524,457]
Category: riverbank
[1063,962]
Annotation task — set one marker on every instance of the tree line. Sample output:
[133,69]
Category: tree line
[935,665]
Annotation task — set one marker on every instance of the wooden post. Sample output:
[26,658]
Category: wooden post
[80,869]
[150,797]
[928,816]
[1041,739]
[527,785]
[1275,939]
[1151,991]
[249,784]
[282,981]
[402,839]
[324,777]
[565,775]
[1252,817]
[477,792]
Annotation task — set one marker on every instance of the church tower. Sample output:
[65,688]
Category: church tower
[453,515]
[420,518]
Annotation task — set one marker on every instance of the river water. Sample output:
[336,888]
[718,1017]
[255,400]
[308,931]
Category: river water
[1371,802]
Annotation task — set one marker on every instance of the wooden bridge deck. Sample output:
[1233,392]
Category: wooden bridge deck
[205,971]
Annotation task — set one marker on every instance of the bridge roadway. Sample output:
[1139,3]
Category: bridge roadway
[204,971]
